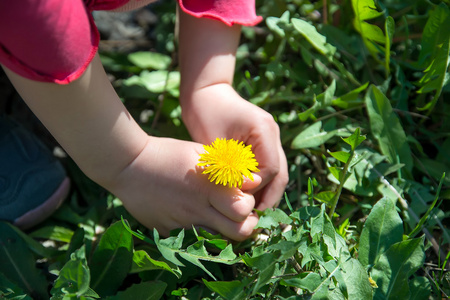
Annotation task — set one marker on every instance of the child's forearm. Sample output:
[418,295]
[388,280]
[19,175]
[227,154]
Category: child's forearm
[88,120]
[207,53]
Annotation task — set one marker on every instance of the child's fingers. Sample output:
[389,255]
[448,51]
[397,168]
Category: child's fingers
[237,231]
[248,184]
[232,203]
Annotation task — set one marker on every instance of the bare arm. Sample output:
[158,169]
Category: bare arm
[88,120]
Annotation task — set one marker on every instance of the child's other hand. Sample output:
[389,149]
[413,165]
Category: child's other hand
[163,188]
[217,111]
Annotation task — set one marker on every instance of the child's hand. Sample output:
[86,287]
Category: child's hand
[163,188]
[212,109]
[218,111]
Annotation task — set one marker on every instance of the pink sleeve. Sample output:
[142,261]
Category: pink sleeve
[55,40]
[228,11]
[47,40]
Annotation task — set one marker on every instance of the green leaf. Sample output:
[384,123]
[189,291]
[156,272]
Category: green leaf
[227,254]
[435,32]
[9,290]
[287,249]
[150,290]
[436,75]
[318,41]
[312,136]
[230,290]
[425,217]
[351,98]
[273,218]
[17,263]
[265,264]
[321,224]
[150,60]
[56,233]
[194,253]
[112,259]
[382,229]
[168,247]
[156,81]
[143,262]
[34,245]
[420,288]
[389,27]
[74,278]
[273,23]
[323,100]
[356,280]
[392,271]
[366,10]
[386,128]
[325,197]
[355,139]
[337,172]
[342,156]
[307,281]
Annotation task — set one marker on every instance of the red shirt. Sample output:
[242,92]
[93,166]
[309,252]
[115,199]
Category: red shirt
[55,40]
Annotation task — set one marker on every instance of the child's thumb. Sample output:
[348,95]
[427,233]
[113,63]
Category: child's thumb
[248,184]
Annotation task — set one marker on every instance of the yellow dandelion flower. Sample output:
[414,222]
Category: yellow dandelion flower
[227,161]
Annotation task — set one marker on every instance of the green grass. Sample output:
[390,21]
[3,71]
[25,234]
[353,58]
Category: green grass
[361,100]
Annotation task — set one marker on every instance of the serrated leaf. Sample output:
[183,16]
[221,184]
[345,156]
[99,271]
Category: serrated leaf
[436,76]
[382,229]
[17,263]
[435,32]
[193,255]
[143,262]
[150,60]
[318,41]
[150,290]
[167,246]
[321,224]
[305,213]
[287,249]
[387,129]
[230,290]
[272,218]
[265,264]
[392,271]
[366,10]
[211,239]
[308,281]
[227,254]
[111,260]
